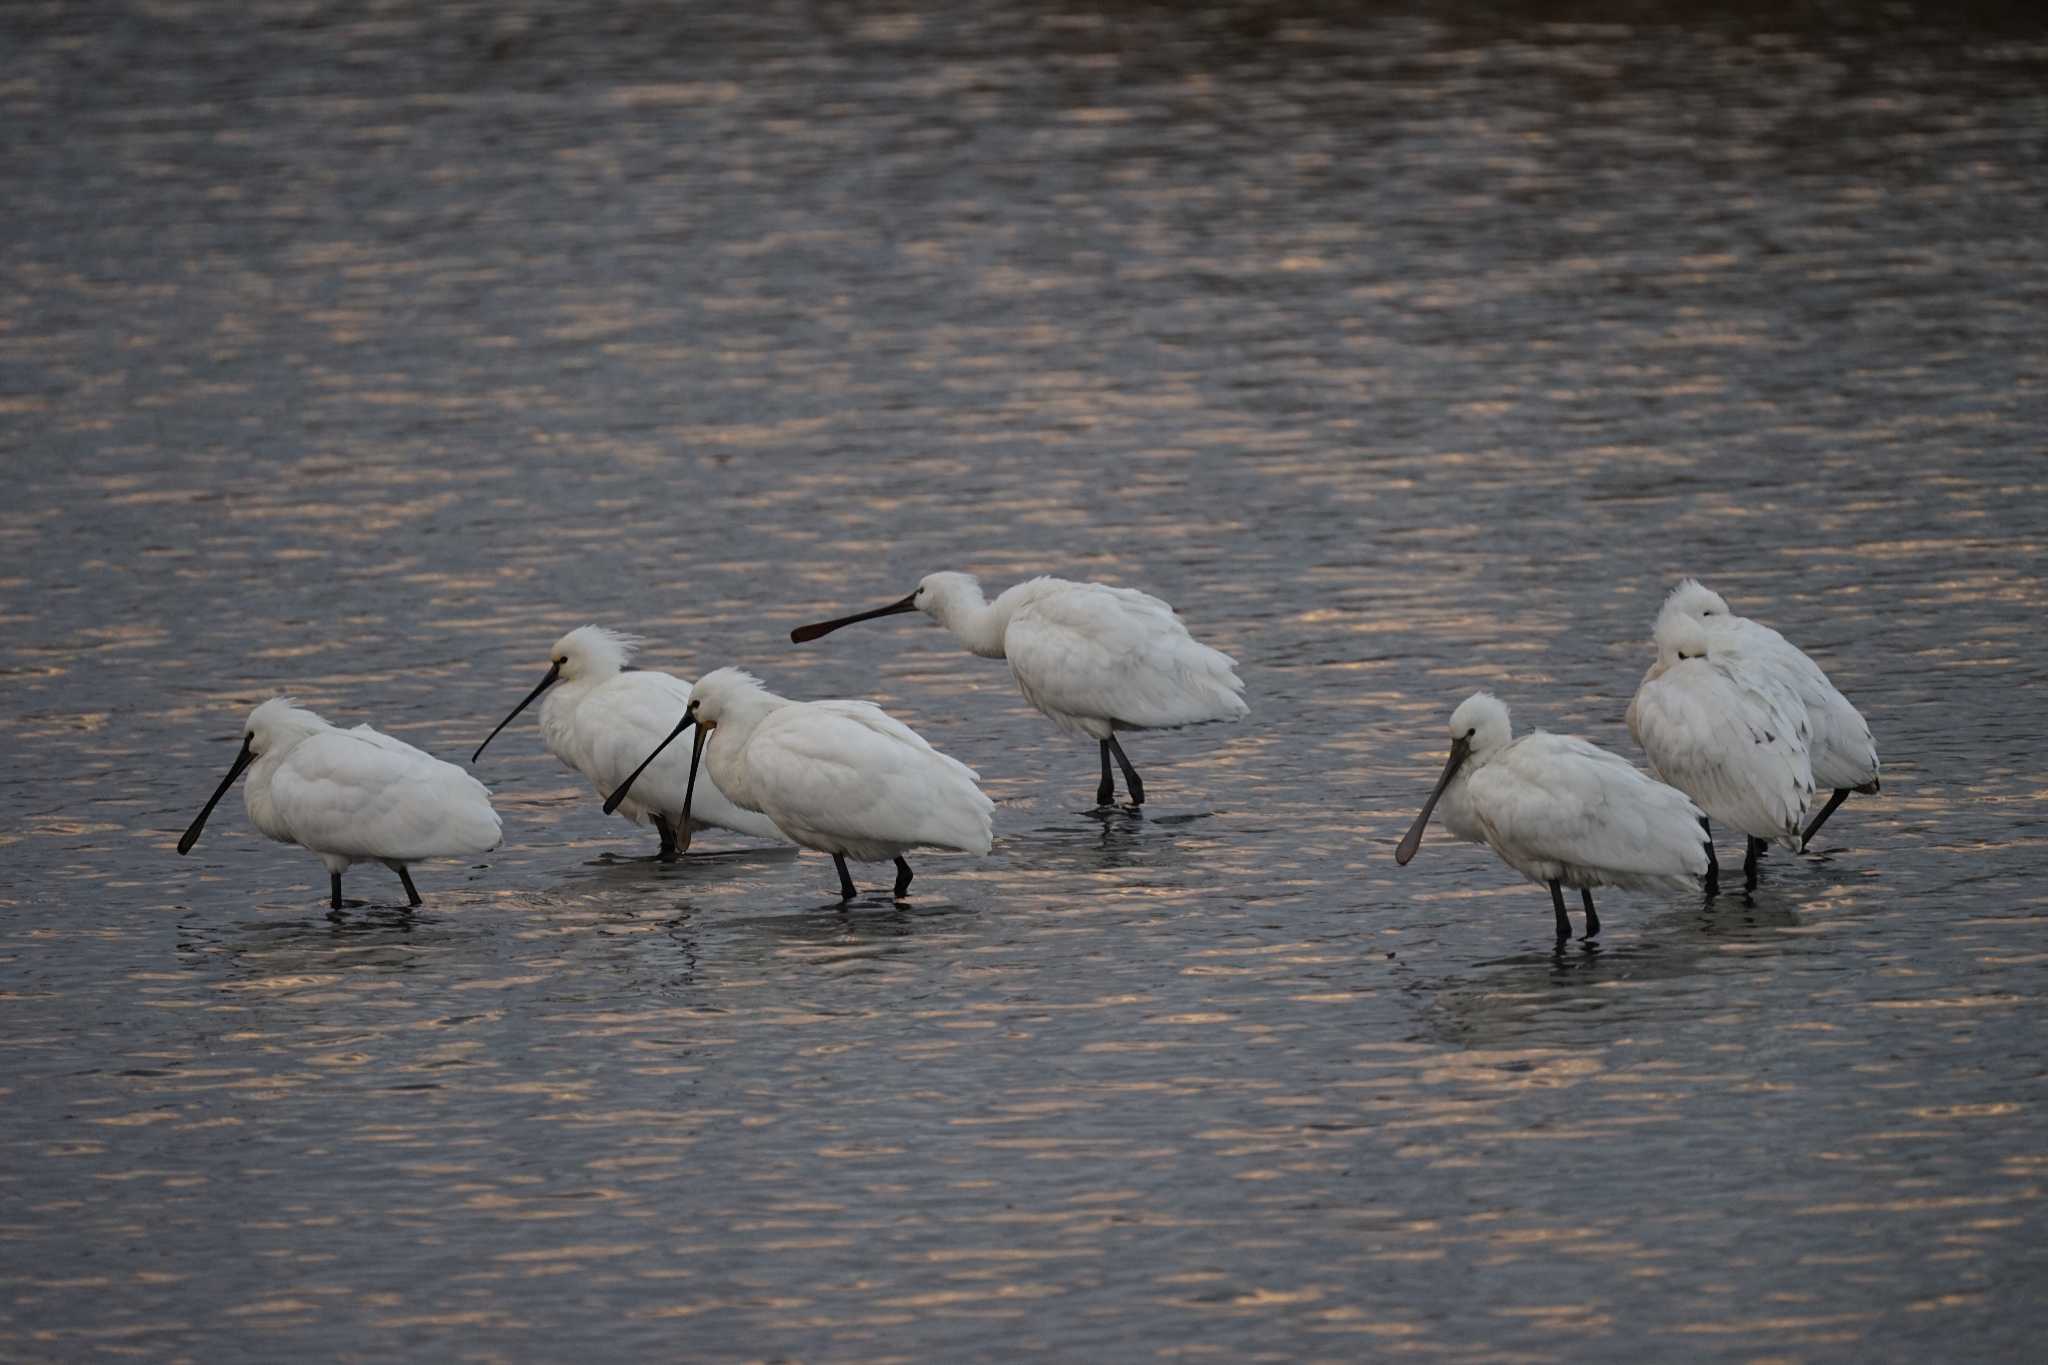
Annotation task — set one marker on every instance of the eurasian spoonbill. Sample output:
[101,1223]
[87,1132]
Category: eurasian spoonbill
[353,796]
[843,777]
[1727,730]
[1840,747]
[1093,658]
[602,717]
[1562,812]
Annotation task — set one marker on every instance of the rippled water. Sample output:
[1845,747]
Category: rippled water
[357,351]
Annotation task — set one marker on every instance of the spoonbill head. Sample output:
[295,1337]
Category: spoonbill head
[1695,599]
[842,777]
[352,796]
[600,719]
[1479,729]
[1094,659]
[1560,811]
[587,655]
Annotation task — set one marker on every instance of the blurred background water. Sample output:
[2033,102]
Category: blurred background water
[357,350]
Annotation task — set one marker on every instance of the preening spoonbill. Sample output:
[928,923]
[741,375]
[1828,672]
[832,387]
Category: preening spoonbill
[602,718]
[1562,812]
[1840,747]
[353,796]
[1093,658]
[1728,731]
[843,777]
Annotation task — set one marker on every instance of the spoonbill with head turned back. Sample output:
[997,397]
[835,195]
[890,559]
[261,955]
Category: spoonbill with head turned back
[1093,658]
[1840,747]
[843,777]
[601,718]
[1561,812]
[353,796]
[1726,729]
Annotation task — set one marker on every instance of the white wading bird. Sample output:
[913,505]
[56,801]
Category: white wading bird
[843,777]
[1562,812]
[353,796]
[1728,731]
[1095,659]
[603,717]
[1843,754]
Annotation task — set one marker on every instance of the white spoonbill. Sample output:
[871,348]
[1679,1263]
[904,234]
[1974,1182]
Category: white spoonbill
[353,796]
[843,777]
[603,717]
[1093,658]
[1840,747]
[1728,731]
[1562,812]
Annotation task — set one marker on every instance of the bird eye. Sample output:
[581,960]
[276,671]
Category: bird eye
[564,659]
[1471,732]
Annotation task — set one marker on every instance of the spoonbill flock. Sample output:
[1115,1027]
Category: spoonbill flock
[1739,726]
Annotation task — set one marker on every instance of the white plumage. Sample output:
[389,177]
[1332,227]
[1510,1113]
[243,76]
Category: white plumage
[1726,729]
[1561,812]
[843,777]
[1840,747]
[1094,659]
[601,718]
[353,796]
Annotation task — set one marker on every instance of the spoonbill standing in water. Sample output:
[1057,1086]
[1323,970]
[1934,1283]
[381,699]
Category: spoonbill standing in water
[843,777]
[1562,812]
[602,718]
[353,796]
[1094,659]
[1840,747]
[1724,728]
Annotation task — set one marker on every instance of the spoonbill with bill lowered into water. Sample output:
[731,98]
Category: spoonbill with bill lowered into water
[353,796]
[843,777]
[1840,747]
[1562,812]
[602,718]
[1725,728]
[1093,658]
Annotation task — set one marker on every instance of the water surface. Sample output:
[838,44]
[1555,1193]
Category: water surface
[357,353]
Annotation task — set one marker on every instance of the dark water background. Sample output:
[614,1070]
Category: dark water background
[357,350]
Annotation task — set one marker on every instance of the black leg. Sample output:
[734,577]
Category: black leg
[668,838]
[412,896]
[1753,850]
[334,891]
[1564,922]
[1106,792]
[1137,788]
[847,890]
[1592,915]
[1841,795]
[1713,863]
[902,877]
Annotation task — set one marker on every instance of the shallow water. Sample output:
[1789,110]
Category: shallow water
[359,352]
